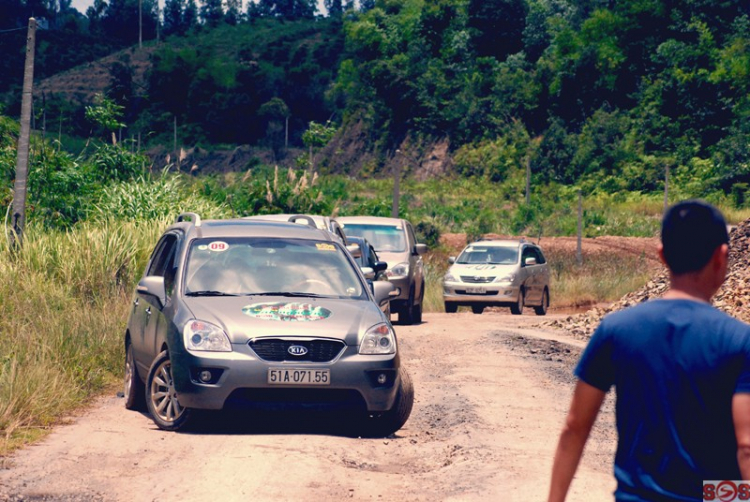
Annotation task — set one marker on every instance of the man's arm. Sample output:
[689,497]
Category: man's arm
[584,408]
[741,417]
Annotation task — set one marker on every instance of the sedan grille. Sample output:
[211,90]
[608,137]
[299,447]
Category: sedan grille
[276,349]
[476,280]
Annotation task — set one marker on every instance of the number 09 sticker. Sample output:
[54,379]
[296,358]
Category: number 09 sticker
[218,246]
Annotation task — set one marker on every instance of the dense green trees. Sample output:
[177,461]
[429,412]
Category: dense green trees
[592,93]
[607,87]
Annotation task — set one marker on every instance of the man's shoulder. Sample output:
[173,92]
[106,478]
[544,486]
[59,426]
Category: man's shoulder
[659,310]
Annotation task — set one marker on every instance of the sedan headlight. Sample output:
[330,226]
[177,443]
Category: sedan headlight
[379,339]
[507,278]
[400,270]
[449,278]
[204,336]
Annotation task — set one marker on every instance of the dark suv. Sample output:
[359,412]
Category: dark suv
[396,243]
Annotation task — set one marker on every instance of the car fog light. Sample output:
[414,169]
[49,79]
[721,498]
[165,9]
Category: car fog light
[382,378]
[205,376]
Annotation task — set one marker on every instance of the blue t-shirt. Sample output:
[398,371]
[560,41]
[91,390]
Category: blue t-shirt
[675,365]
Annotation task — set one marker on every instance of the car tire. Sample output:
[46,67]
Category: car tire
[417,315]
[134,391]
[166,411]
[451,308]
[542,309]
[517,309]
[388,422]
[406,313]
[477,309]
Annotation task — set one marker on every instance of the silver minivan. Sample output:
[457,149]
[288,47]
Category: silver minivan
[509,273]
[396,243]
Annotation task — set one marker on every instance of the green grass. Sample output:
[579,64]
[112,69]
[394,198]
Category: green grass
[64,300]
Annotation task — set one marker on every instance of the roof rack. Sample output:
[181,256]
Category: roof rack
[307,219]
[193,217]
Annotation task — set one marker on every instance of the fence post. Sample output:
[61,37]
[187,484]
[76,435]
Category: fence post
[22,159]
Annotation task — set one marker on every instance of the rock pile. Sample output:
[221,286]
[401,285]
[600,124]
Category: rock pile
[733,297]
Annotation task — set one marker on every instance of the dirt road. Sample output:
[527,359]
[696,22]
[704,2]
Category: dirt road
[491,395]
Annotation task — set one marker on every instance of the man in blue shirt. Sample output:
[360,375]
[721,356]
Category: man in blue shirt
[681,370]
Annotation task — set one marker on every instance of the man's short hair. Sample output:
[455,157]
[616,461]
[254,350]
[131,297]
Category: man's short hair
[690,233]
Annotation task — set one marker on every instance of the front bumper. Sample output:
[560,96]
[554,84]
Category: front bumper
[462,293]
[243,381]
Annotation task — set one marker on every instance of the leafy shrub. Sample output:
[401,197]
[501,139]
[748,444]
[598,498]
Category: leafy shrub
[427,233]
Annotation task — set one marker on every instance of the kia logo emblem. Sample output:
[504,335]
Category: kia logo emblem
[297,350]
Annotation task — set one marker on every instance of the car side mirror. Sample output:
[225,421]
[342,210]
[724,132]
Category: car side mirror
[379,266]
[451,260]
[368,272]
[420,249]
[530,260]
[153,286]
[354,250]
[382,291]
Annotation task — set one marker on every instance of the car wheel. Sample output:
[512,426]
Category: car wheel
[477,309]
[392,420]
[133,390]
[406,313]
[418,308]
[166,411]
[517,309]
[542,309]
[451,308]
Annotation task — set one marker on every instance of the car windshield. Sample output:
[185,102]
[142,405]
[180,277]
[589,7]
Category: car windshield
[258,266]
[386,238]
[489,254]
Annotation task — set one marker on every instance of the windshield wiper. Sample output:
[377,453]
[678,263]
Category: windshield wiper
[209,293]
[288,293]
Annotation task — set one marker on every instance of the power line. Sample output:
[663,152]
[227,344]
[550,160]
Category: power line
[13,29]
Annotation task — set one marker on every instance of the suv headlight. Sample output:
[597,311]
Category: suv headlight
[506,278]
[379,339]
[400,270]
[204,336]
[449,278]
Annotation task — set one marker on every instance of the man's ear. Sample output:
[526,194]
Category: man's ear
[661,254]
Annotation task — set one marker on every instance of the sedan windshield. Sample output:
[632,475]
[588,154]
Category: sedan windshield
[489,254]
[263,266]
[387,238]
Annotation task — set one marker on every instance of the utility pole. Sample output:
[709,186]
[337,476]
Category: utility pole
[528,180]
[140,24]
[22,161]
[396,185]
[666,187]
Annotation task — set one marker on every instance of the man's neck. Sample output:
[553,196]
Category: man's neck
[690,287]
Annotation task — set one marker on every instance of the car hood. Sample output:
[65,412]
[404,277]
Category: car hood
[247,317]
[393,259]
[481,270]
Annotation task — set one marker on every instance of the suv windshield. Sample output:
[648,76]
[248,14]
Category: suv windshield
[387,238]
[256,266]
[489,254]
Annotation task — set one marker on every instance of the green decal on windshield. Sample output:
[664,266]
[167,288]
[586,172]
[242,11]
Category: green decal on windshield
[300,312]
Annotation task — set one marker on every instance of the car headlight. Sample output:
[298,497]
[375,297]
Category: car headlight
[379,339]
[400,270]
[204,336]
[449,278]
[506,278]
